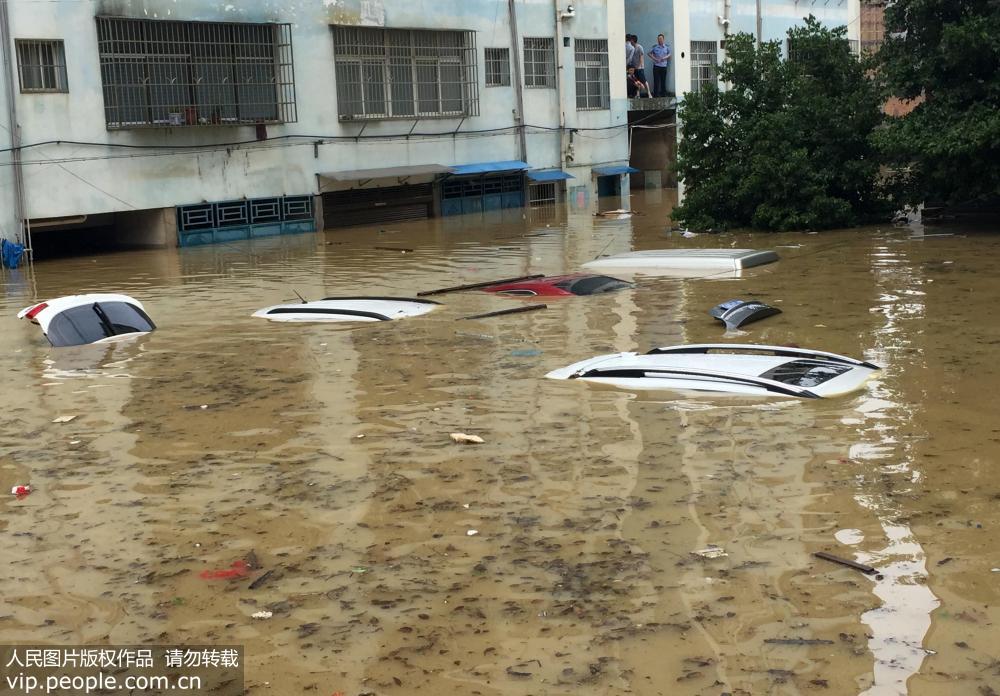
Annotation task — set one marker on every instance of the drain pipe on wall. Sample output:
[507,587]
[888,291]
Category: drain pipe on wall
[760,22]
[22,233]
[515,49]
[564,152]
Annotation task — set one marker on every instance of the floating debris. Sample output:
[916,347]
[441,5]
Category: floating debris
[465,439]
[63,419]
[866,569]
[261,580]
[798,641]
[711,551]
[21,491]
[263,614]
[237,570]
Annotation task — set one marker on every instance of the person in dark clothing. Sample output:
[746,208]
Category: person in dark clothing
[660,55]
[634,86]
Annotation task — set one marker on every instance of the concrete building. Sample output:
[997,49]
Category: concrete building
[160,122]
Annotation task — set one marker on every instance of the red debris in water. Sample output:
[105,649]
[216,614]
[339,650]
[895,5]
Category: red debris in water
[21,491]
[237,570]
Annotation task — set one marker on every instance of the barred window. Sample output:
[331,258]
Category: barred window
[497,67]
[592,77]
[704,62]
[164,73]
[41,65]
[405,73]
[539,62]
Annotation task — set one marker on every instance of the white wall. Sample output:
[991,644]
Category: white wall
[129,181]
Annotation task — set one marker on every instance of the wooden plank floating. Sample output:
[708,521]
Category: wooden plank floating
[473,286]
[515,310]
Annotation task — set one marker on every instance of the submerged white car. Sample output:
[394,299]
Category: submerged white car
[682,262]
[348,309]
[727,367]
[77,320]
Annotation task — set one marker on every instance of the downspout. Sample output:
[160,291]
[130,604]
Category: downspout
[515,49]
[727,11]
[21,235]
[760,22]
[559,83]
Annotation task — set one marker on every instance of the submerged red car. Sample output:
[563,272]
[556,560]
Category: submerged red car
[556,286]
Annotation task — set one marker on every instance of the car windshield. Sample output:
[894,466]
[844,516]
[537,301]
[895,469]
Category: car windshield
[592,285]
[92,322]
[805,373]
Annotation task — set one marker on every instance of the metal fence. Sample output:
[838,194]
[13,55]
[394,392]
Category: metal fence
[255,211]
[497,67]
[592,78]
[41,65]
[405,73]
[704,62]
[539,62]
[165,73]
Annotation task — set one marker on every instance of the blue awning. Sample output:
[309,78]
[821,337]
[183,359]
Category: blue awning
[487,167]
[612,169]
[549,175]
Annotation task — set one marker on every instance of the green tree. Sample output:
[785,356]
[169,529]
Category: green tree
[786,145]
[947,54]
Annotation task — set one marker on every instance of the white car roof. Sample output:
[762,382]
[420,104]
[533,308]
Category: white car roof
[61,304]
[741,370]
[685,259]
[348,309]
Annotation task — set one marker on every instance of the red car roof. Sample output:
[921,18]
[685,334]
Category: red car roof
[542,287]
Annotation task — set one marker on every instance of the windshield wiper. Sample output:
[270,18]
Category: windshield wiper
[109,328]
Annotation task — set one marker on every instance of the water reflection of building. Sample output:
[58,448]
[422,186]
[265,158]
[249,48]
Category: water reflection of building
[211,122]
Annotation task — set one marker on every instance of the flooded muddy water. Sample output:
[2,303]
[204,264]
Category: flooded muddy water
[555,558]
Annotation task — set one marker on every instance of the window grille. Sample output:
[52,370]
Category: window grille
[592,77]
[539,62]
[196,217]
[296,207]
[232,213]
[497,67]
[542,194]
[265,210]
[855,47]
[41,65]
[704,61]
[160,73]
[405,73]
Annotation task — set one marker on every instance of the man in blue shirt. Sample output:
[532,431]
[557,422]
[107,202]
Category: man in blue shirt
[660,55]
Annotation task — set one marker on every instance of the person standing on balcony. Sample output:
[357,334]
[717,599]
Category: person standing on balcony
[638,61]
[629,50]
[660,55]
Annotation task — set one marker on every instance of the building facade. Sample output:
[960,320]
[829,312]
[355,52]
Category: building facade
[190,121]
[696,30]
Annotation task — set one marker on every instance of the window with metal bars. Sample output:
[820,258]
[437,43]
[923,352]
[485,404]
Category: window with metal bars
[540,62]
[593,90]
[542,194]
[160,73]
[41,65]
[704,63]
[497,67]
[405,73]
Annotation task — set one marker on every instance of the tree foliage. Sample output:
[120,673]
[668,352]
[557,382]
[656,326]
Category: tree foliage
[947,53]
[787,144]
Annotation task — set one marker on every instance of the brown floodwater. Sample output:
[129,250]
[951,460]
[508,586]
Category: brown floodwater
[325,450]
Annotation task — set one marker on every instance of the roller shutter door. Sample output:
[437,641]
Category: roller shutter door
[377,205]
